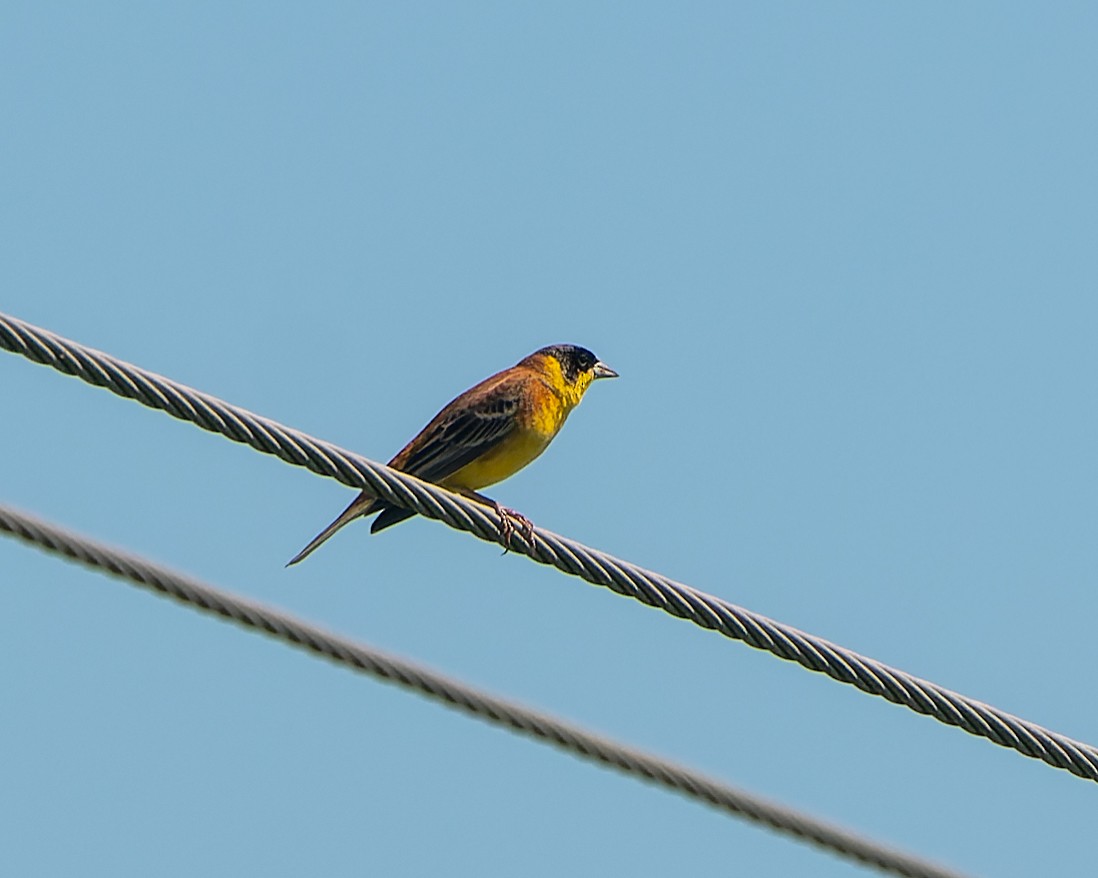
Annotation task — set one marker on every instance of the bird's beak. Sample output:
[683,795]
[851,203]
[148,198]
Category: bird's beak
[603,371]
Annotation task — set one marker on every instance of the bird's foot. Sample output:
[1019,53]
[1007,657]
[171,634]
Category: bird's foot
[508,518]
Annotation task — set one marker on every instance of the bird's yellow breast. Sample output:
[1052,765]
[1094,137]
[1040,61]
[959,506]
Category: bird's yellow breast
[506,459]
[539,419]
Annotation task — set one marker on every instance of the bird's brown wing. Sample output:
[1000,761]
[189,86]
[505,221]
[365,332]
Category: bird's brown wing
[471,425]
[459,435]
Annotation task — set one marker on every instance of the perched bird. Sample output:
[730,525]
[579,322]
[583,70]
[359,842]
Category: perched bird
[488,433]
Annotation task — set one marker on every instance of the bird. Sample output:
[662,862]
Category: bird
[485,435]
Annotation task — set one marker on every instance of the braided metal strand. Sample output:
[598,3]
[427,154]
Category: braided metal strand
[282,626]
[595,567]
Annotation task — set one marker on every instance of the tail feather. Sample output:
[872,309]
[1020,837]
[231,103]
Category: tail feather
[363,504]
[390,515]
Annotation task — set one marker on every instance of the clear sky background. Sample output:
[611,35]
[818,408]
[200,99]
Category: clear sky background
[843,256]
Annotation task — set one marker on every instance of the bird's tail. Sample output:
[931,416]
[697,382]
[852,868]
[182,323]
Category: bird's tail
[363,504]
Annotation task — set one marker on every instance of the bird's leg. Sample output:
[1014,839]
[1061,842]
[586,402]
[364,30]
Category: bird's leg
[508,518]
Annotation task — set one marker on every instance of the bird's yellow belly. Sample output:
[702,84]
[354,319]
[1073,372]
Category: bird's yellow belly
[504,460]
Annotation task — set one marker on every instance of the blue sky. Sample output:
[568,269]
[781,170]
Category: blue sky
[843,257]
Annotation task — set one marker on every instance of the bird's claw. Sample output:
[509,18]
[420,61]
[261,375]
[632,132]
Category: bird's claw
[508,518]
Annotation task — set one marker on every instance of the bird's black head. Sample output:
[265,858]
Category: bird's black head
[572,359]
[570,370]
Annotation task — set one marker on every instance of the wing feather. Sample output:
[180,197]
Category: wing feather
[460,435]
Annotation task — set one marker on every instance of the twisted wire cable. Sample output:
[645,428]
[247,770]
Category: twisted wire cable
[598,568]
[455,694]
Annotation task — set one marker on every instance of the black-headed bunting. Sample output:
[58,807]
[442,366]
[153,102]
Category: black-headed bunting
[488,433]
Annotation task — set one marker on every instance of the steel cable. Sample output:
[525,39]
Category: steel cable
[598,568]
[502,712]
